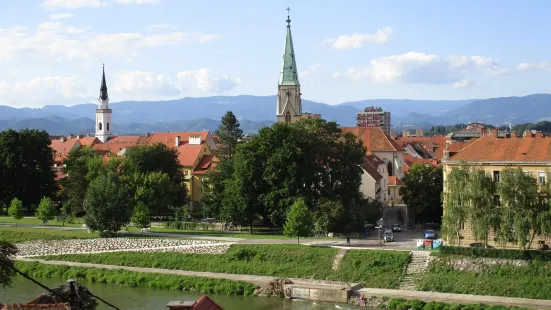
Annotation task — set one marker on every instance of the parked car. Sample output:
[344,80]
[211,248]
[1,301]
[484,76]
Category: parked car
[430,234]
[396,228]
[388,236]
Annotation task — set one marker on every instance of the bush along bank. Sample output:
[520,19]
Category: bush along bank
[529,255]
[137,279]
[403,304]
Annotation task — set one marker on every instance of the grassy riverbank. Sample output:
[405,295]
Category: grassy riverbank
[375,268]
[531,281]
[137,279]
[400,303]
[22,234]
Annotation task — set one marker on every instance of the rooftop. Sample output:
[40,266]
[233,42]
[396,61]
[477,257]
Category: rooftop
[374,138]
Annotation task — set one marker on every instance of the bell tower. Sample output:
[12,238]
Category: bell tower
[289,106]
[104,126]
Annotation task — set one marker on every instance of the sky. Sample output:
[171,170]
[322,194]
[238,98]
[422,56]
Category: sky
[52,51]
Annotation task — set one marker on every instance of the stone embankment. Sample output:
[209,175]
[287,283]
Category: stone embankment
[478,264]
[101,245]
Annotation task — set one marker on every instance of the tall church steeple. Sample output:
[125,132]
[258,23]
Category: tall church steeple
[289,107]
[104,125]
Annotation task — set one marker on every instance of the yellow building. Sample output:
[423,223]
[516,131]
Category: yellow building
[532,153]
[195,153]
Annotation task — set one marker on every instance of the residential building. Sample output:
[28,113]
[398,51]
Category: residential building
[378,143]
[374,117]
[493,154]
[418,133]
[104,125]
[289,102]
[374,178]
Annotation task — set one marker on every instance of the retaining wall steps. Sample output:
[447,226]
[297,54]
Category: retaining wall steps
[417,266]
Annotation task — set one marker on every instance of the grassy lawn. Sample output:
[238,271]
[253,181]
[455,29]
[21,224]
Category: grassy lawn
[374,268]
[137,279]
[34,221]
[532,281]
[22,234]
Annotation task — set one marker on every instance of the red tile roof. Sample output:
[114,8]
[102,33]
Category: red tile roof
[371,168]
[488,148]
[116,144]
[207,162]
[410,160]
[205,303]
[188,154]
[62,149]
[89,141]
[374,138]
[393,180]
[168,138]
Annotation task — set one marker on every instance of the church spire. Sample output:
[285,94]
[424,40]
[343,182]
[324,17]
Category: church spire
[103,89]
[289,74]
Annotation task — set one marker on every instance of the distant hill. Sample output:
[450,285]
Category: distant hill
[254,112]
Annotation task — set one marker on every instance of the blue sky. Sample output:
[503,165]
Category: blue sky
[52,50]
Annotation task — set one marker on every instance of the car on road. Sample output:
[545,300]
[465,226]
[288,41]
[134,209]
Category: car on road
[430,234]
[396,228]
[388,236]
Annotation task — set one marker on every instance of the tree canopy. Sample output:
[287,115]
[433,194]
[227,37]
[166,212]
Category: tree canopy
[299,221]
[26,162]
[422,190]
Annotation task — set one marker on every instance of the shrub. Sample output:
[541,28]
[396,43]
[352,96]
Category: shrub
[497,253]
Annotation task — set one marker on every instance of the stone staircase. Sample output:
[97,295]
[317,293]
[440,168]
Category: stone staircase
[337,259]
[417,266]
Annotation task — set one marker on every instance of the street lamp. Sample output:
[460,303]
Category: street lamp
[381,231]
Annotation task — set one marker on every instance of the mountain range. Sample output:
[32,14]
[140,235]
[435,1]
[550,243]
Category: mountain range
[254,112]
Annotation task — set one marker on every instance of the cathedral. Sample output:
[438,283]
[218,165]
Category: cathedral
[289,105]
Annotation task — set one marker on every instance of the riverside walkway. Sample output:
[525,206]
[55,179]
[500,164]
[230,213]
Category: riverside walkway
[261,280]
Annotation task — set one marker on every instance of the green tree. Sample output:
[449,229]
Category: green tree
[46,210]
[229,134]
[154,189]
[76,183]
[140,216]
[455,197]
[422,191]
[108,205]
[16,209]
[7,253]
[326,214]
[26,162]
[519,207]
[481,204]
[299,221]
[158,158]
[215,183]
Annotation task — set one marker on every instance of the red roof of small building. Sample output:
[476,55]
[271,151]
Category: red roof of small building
[489,148]
[188,154]
[116,144]
[89,141]
[169,138]
[371,168]
[374,138]
[393,180]
[62,149]
[207,162]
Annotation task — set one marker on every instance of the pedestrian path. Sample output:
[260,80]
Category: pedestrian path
[417,266]
[262,280]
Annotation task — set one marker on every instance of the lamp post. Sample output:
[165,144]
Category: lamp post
[381,231]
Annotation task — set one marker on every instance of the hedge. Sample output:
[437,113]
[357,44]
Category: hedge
[529,255]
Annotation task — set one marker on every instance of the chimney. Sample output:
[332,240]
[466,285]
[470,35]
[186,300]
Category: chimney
[78,137]
[405,133]
[539,134]
[494,132]
[527,134]
[176,141]
[419,132]
[69,137]
[148,134]
[513,134]
[62,139]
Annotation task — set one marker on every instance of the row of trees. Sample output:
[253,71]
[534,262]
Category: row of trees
[515,208]
[310,161]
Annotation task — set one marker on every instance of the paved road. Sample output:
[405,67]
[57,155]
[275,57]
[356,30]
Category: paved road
[261,280]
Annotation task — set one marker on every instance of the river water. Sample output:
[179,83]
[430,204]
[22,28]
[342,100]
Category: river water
[127,298]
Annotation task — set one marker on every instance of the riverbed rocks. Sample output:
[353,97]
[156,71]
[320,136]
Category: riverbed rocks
[99,245]
[273,288]
[477,264]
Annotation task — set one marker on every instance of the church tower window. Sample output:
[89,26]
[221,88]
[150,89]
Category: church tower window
[288,118]
[99,126]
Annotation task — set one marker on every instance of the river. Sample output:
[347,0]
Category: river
[126,298]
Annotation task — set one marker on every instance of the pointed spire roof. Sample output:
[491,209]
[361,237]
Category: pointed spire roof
[103,89]
[289,74]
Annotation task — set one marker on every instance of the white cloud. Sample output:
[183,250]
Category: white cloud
[336,75]
[145,82]
[204,81]
[357,40]
[207,37]
[467,82]
[137,1]
[308,72]
[58,16]
[544,65]
[56,41]
[39,90]
[416,67]
[70,4]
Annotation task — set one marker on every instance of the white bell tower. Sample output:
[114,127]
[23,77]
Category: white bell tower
[104,126]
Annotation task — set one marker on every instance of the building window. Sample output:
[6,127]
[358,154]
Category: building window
[107,126]
[185,172]
[496,176]
[542,177]
[99,126]
[288,118]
